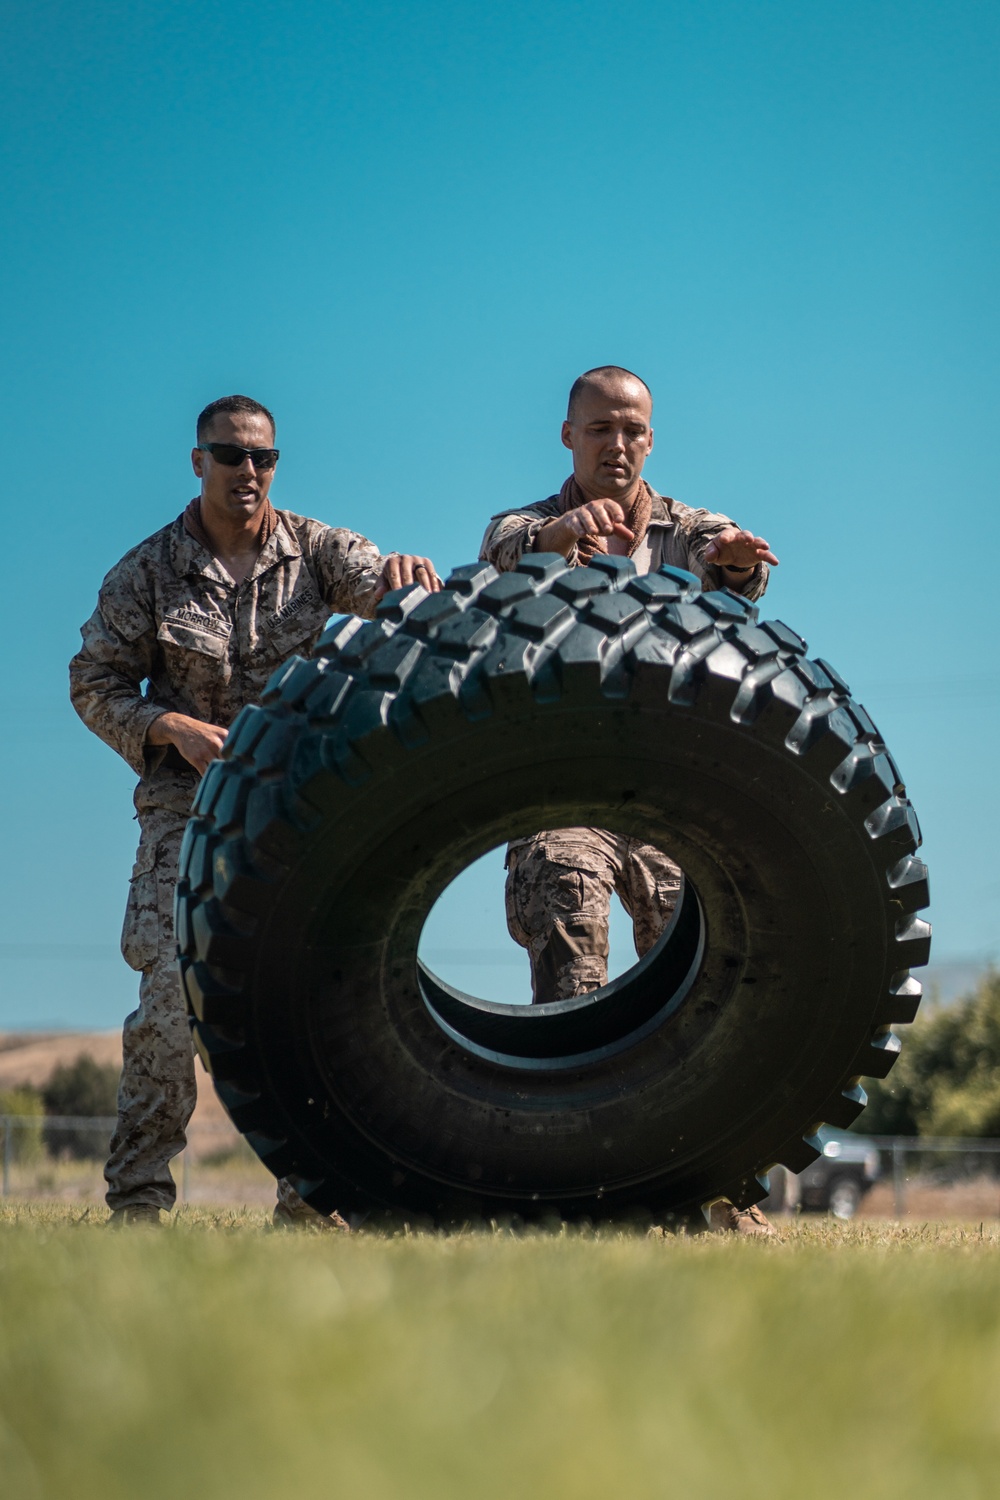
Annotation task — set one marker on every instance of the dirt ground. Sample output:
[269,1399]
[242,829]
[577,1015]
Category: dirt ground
[978,1198]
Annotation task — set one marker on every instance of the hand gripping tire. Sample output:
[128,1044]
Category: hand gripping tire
[368,778]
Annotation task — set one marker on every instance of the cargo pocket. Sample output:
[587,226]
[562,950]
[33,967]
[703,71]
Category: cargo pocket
[511,904]
[141,928]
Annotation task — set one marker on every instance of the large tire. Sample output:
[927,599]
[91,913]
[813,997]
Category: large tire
[368,778]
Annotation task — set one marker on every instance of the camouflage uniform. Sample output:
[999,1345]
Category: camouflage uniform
[169,616]
[559,887]
[559,883]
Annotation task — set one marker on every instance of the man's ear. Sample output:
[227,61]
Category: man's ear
[567,434]
[198,462]
[650,448]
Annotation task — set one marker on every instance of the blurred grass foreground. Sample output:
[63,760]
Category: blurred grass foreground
[217,1358]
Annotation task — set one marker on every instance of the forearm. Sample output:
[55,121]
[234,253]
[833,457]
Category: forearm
[702,534]
[199,743]
[510,537]
[750,582]
[555,536]
[165,728]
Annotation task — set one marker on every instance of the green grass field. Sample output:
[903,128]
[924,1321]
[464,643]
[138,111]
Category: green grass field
[217,1359]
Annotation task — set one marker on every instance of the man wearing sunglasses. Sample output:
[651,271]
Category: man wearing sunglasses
[201,613]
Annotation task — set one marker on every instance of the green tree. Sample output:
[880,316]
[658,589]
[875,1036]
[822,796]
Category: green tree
[82,1087]
[25,1140]
[947,1080]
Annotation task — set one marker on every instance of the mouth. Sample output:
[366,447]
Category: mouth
[243,492]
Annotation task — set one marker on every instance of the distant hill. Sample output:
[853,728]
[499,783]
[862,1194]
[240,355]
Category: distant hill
[32,1056]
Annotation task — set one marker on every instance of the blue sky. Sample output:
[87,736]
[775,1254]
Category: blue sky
[406,228]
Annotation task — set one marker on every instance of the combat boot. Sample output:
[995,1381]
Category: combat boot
[308,1219]
[725,1218]
[135,1213]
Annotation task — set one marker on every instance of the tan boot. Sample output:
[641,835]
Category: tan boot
[286,1217]
[725,1218]
[135,1213]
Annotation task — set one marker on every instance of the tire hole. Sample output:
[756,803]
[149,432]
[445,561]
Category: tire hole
[465,942]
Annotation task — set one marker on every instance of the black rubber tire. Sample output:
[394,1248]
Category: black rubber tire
[368,778]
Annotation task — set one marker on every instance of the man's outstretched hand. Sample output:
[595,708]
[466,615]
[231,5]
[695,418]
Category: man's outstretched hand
[732,548]
[595,518]
[199,743]
[402,568]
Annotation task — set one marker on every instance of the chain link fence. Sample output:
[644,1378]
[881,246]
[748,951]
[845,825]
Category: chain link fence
[924,1173]
[893,1177]
[62,1156]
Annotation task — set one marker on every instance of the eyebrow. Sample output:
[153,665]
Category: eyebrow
[629,421]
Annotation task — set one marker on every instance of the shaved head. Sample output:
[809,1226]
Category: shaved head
[605,378]
[609,429]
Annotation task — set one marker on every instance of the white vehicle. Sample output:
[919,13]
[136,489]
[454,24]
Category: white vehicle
[835,1183]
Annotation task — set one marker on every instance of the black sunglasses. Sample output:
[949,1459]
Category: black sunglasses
[232,457]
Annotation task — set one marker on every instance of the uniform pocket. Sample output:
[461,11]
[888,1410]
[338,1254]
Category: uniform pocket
[186,630]
[148,929]
[140,929]
[512,902]
[541,893]
[293,629]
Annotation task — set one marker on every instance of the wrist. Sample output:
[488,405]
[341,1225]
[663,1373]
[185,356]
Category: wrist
[158,730]
[554,536]
[164,728]
[733,568]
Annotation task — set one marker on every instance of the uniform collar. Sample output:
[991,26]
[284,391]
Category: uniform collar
[189,556]
[660,513]
[280,544]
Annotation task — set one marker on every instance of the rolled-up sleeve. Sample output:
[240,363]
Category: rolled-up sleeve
[510,535]
[106,677]
[695,529]
[349,568]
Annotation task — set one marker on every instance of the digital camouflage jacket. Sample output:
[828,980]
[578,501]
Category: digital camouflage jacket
[169,617]
[677,535]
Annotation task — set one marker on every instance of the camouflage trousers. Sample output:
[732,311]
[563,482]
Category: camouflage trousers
[559,889]
[157,1093]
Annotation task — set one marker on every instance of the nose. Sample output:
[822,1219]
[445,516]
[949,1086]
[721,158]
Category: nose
[246,468]
[618,442]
